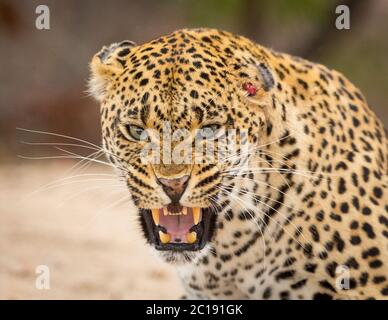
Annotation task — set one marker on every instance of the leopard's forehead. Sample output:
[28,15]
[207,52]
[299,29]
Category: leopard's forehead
[183,78]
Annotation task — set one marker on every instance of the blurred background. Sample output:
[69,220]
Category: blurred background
[81,226]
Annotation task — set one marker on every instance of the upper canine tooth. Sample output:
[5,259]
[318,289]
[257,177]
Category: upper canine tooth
[184,211]
[165,211]
[155,216]
[196,215]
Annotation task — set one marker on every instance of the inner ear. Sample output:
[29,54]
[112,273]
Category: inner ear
[109,62]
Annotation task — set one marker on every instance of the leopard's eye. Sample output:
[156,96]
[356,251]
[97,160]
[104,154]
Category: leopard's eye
[135,132]
[211,131]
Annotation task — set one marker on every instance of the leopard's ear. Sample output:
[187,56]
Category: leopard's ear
[256,80]
[106,65]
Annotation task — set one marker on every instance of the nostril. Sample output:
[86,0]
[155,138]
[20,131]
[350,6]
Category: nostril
[174,187]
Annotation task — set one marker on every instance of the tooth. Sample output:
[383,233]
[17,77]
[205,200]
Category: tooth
[155,216]
[164,237]
[191,237]
[196,215]
[184,211]
[165,211]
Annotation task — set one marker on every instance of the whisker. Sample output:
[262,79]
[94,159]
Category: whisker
[77,194]
[65,157]
[59,135]
[246,209]
[60,144]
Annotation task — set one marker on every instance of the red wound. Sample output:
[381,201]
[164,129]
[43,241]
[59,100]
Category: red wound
[250,88]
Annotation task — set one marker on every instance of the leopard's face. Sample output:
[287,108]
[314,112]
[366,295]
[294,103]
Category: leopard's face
[170,111]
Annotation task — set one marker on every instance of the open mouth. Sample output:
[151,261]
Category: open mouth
[178,228]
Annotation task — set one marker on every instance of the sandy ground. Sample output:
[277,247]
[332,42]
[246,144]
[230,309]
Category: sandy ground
[89,240]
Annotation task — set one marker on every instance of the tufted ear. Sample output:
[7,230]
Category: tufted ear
[105,65]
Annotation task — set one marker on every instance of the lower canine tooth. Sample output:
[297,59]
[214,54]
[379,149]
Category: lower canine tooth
[196,215]
[155,216]
[165,211]
[164,237]
[191,237]
[184,211]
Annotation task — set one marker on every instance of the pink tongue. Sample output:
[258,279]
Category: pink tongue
[177,225]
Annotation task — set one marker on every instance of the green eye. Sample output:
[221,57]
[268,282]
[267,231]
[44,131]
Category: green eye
[211,131]
[135,132]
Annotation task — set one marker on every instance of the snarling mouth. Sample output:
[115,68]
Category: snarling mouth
[178,228]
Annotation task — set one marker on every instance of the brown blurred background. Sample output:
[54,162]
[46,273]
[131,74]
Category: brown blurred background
[43,73]
[43,76]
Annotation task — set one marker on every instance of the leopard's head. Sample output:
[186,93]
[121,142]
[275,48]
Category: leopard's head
[175,114]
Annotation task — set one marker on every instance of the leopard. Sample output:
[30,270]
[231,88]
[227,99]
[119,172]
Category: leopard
[299,214]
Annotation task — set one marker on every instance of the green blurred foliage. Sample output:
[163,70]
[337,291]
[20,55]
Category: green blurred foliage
[212,13]
[309,10]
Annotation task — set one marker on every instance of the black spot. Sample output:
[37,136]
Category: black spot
[342,186]
[375,264]
[383,220]
[366,211]
[352,263]
[299,284]
[205,76]
[326,284]
[206,39]
[251,289]
[379,279]
[225,257]
[285,275]
[143,82]
[363,278]
[355,240]
[322,296]
[284,295]
[368,230]
[331,268]
[138,75]
[344,207]
[194,94]
[371,252]
[310,267]
[354,225]
[229,215]
[378,192]
[339,242]
[123,52]
[356,122]
[314,233]
[267,293]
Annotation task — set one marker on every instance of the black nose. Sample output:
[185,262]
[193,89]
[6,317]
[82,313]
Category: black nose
[174,188]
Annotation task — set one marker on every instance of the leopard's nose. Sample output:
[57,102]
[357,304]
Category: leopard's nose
[174,187]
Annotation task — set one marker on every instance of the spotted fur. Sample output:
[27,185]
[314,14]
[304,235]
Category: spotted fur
[283,233]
